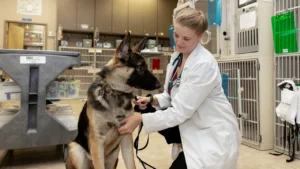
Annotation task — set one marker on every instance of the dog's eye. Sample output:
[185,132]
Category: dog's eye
[139,66]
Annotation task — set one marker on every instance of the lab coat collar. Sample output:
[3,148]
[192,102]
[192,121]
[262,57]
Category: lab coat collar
[191,56]
[174,55]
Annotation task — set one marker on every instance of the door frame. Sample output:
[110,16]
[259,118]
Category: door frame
[6,22]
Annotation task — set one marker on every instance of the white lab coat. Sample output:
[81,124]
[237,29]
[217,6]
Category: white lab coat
[208,127]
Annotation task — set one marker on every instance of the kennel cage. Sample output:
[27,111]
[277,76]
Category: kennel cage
[246,28]
[286,67]
[285,6]
[243,78]
[93,59]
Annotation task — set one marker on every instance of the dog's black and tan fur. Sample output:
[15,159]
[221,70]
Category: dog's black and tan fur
[98,142]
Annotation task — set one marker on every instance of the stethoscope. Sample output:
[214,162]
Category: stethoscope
[178,60]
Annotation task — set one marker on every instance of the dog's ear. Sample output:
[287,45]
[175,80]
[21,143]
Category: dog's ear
[140,46]
[124,47]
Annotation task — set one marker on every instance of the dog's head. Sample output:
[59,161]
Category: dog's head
[133,66]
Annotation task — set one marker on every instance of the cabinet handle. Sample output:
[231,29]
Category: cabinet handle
[154,33]
[92,28]
[125,30]
[113,28]
[129,31]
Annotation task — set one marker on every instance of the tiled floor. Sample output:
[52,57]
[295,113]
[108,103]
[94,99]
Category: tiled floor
[158,154]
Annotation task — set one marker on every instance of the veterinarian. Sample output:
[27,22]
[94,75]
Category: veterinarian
[193,99]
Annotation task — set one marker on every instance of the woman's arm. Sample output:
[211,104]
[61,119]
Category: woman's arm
[161,100]
[201,80]
[155,101]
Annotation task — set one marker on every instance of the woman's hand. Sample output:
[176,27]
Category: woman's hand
[142,102]
[130,123]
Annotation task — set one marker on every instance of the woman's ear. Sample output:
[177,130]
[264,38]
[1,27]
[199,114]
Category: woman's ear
[199,36]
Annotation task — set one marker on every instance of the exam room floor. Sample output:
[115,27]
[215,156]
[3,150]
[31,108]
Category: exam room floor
[158,154]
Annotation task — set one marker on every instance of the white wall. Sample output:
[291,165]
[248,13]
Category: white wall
[8,12]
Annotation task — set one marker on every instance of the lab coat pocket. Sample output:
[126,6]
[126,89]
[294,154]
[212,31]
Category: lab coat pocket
[214,145]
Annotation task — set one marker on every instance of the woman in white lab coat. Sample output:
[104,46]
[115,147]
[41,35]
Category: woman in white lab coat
[194,100]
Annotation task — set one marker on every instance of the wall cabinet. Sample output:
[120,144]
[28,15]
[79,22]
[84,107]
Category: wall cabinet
[135,17]
[103,15]
[165,16]
[85,14]
[120,16]
[76,14]
[67,14]
[150,17]
[140,17]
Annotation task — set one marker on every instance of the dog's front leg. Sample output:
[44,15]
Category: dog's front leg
[97,151]
[127,151]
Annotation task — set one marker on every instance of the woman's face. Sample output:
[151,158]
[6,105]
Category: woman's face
[186,39]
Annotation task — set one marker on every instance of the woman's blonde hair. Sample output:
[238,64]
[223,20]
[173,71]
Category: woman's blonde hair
[193,19]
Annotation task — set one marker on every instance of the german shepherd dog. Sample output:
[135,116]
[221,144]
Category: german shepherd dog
[98,142]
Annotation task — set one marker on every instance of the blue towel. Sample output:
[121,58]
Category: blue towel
[171,36]
[214,12]
[225,83]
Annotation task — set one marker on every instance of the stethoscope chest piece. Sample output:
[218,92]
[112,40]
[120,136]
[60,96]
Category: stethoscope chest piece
[178,82]
[171,84]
